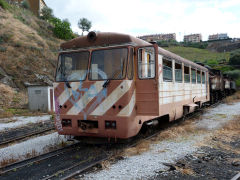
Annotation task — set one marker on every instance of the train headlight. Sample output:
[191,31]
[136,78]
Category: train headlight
[110,125]
[114,125]
[66,122]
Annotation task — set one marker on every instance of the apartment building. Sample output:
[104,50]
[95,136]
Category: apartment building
[159,37]
[218,36]
[36,6]
[193,38]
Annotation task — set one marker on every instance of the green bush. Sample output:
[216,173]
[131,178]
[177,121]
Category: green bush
[62,29]
[235,74]
[47,13]
[235,58]
[167,43]
[225,68]
[25,4]
[200,45]
[212,62]
[4,4]
[238,82]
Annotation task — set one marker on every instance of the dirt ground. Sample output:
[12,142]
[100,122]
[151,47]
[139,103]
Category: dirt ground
[217,158]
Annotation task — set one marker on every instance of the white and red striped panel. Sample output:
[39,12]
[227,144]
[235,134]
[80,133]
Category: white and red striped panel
[90,98]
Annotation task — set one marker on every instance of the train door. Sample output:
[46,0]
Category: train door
[146,81]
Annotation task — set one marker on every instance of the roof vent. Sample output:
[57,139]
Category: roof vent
[153,42]
[92,36]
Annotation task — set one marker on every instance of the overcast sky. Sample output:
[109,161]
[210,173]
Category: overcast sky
[141,17]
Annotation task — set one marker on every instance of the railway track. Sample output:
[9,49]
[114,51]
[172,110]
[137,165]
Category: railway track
[27,131]
[70,161]
[59,164]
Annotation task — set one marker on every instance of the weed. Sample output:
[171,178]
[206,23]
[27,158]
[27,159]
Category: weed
[233,98]
[4,4]
[25,4]
[18,112]
[5,162]
[5,37]
[3,49]
[20,18]
[186,171]
[17,44]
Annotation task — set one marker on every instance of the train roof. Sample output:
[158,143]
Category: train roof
[102,39]
[110,39]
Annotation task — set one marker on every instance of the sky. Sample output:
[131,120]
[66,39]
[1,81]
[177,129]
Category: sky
[143,17]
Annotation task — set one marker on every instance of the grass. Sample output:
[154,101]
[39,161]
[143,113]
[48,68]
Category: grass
[138,149]
[4,4]
[233,98]
[224,136]
[25,52]
[3,49]
[195,54]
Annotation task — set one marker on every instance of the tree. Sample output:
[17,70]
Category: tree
[235,58]
[84,24]
[25,4]
[62,28]
[47,13]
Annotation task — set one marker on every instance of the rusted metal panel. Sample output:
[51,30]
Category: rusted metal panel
[129,103]
[103,39]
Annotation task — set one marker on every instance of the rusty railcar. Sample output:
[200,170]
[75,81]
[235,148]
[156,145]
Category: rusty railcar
[227,85]
[217,85]
[108,85]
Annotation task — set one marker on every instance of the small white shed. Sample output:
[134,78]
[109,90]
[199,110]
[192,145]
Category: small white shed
[41,98]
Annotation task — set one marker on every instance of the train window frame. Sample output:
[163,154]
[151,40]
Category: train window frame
[199,82]
[180,80]
[61,61]
[124,70]
[150,63]
[130,60]
[164,70]
[186,66]
[193,69]
[203,74]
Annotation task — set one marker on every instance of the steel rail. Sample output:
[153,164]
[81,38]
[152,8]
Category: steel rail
[236,177]
[79,167]
[78,171]
[26,162]
[134,143]
[26,135]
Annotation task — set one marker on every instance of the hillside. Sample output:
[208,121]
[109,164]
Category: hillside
[28,53]
[196,54]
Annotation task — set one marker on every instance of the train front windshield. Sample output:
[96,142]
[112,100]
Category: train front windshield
[108,64]
[72,66]
[105,64]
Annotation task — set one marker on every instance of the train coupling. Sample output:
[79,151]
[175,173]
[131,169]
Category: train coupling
[152,122]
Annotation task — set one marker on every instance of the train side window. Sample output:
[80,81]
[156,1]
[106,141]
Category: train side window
[178,72]
[130,65]
[193,76]
[186,74]
[167,70]
[146,63]
[198,77]
[203,77]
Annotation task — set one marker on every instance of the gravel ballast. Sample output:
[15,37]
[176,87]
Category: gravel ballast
[149,163]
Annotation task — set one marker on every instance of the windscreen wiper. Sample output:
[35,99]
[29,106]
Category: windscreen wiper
[64,77]
[106,83]
[67,84]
